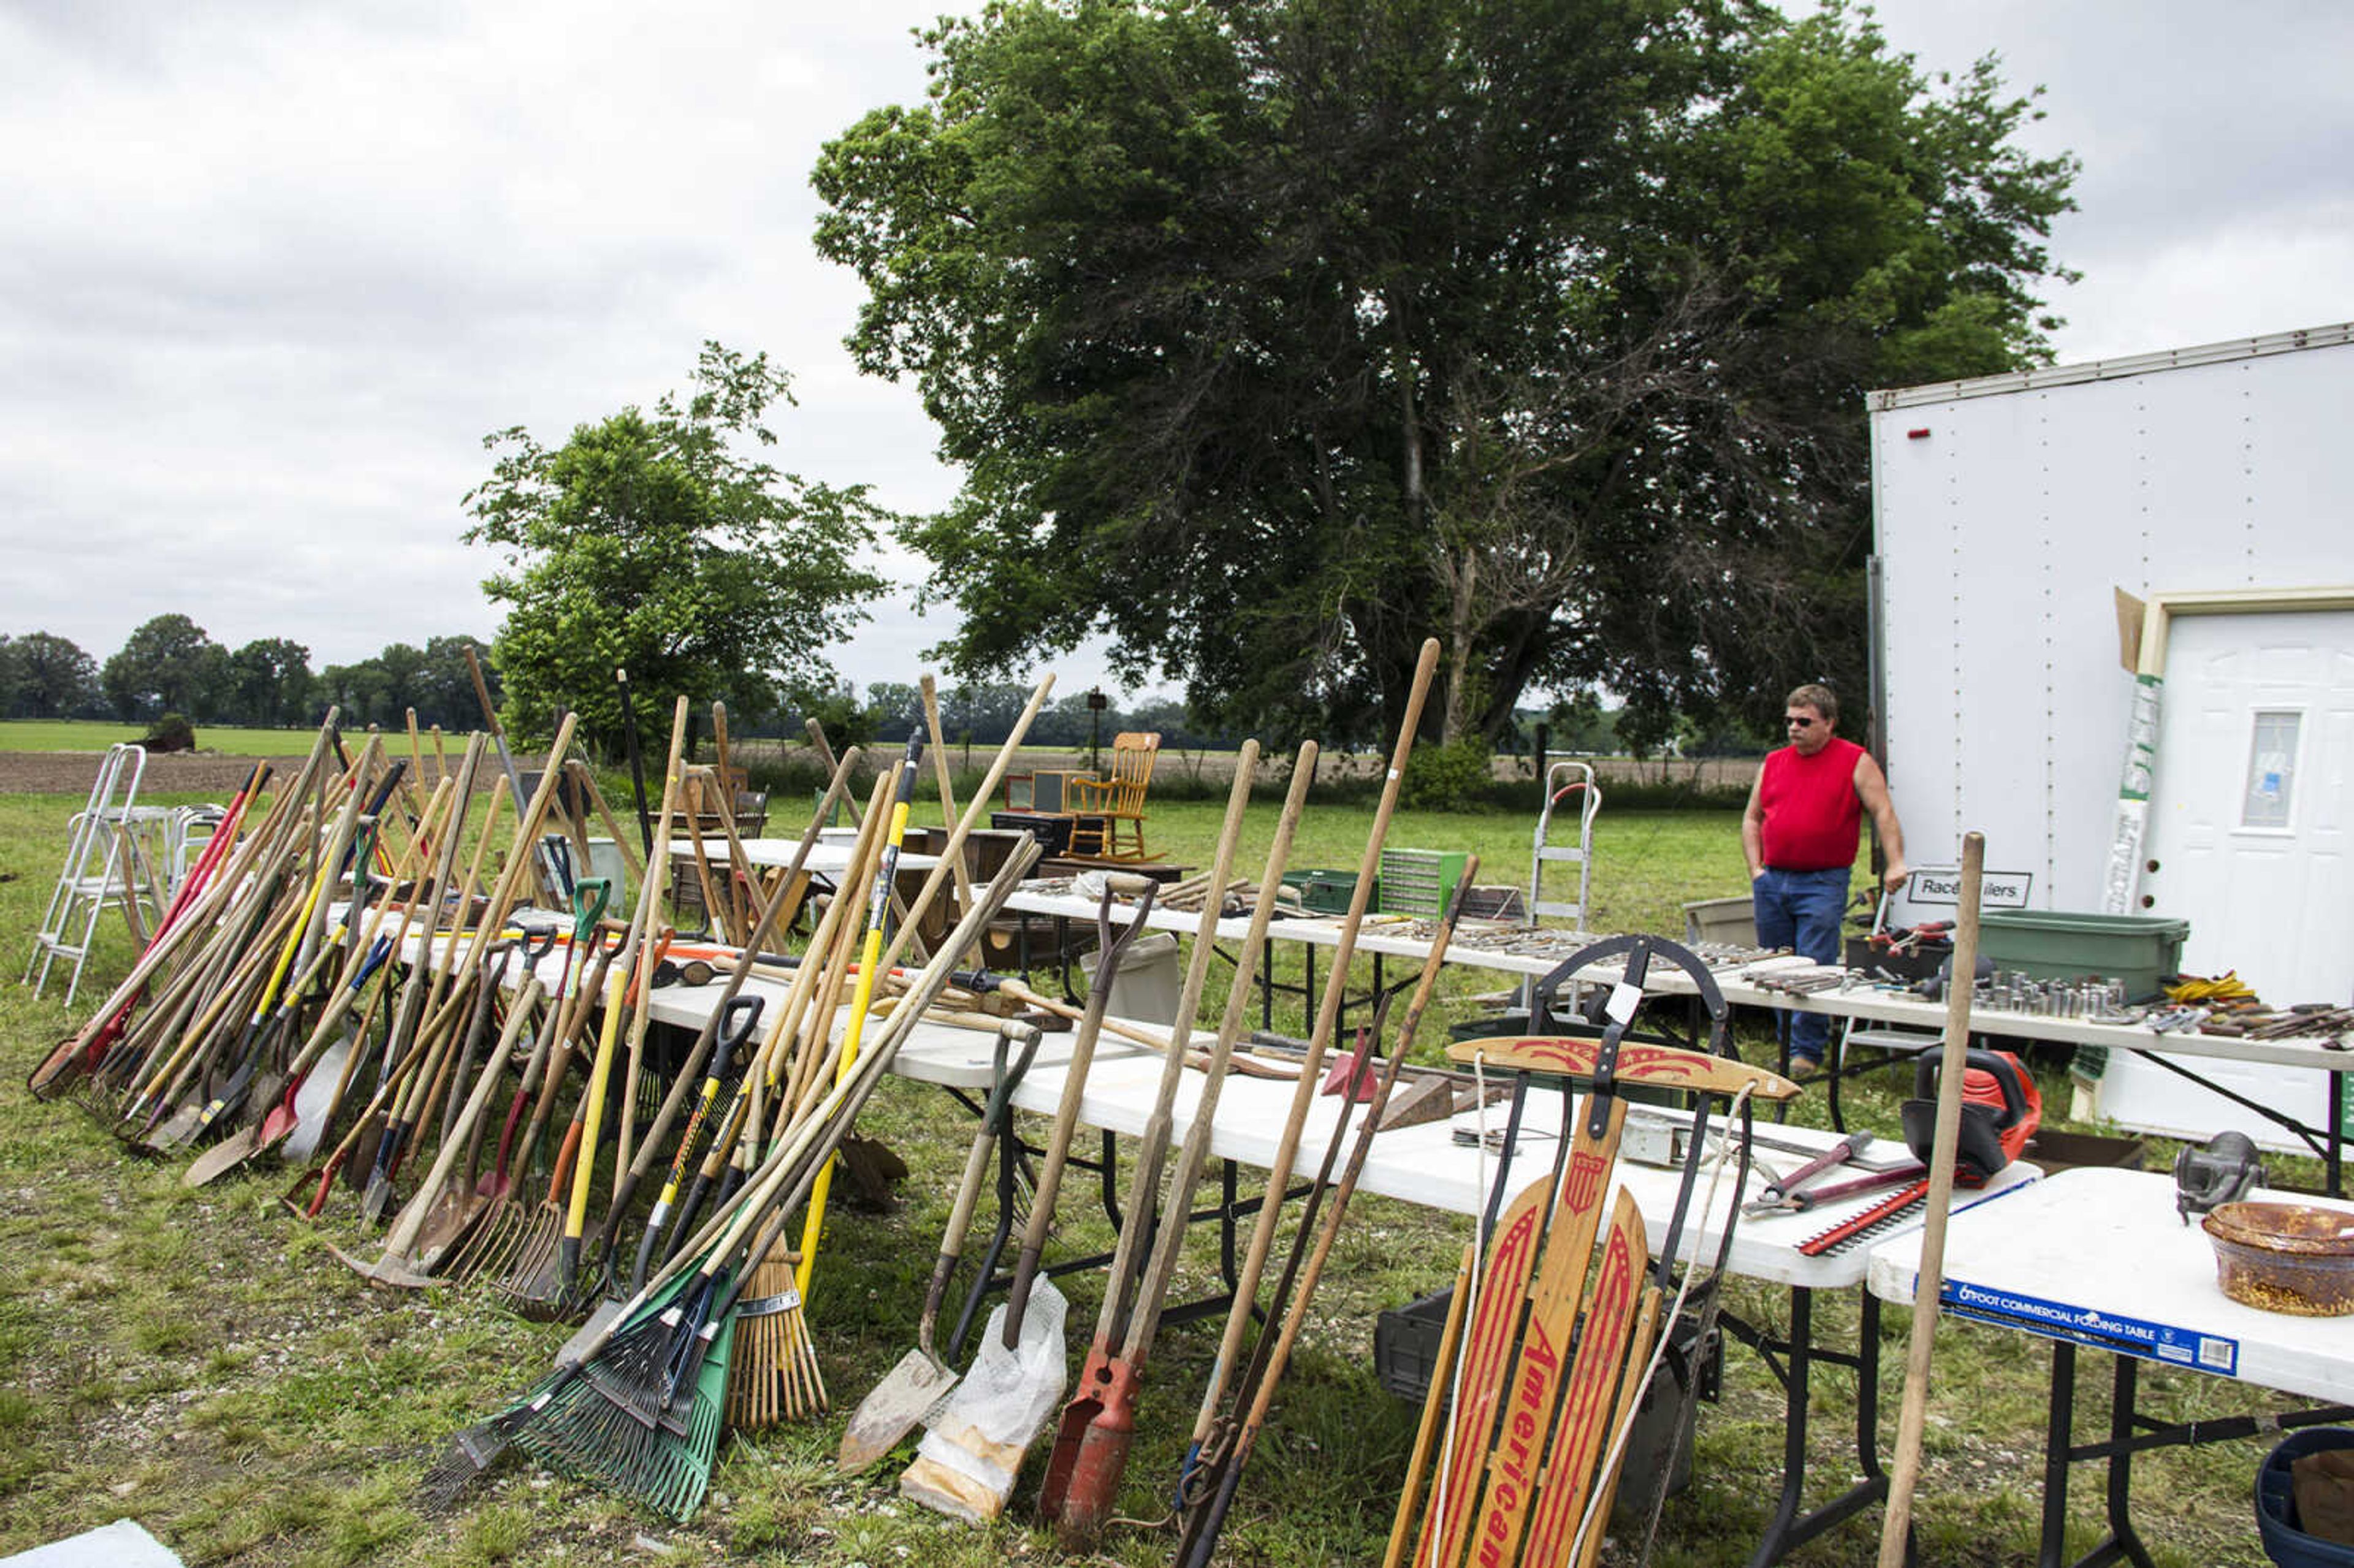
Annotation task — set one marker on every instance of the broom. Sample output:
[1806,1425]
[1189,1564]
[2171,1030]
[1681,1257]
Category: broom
[775,1373]
[556,1401]
[646,1372]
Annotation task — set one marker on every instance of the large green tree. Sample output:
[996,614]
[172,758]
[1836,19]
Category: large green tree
[169,664]
[647,542]
[270,682]
[46,676]
[1275,335]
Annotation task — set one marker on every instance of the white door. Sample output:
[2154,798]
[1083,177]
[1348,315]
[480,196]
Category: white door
[2249,822]
[2250,840]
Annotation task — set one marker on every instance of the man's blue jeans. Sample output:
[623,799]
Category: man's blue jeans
[1800,910]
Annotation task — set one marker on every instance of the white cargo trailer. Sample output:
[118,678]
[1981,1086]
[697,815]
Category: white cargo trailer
[2113,628]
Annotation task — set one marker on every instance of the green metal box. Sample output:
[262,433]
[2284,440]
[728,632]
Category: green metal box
[1322,892]
[1419,882]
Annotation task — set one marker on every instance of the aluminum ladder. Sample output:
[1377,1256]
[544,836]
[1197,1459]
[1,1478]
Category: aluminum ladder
[99,852]
[1562,779]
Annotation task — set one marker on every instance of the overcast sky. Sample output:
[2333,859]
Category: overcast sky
[272,270]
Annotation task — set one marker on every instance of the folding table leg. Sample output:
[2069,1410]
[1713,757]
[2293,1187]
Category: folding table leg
[2121,1545]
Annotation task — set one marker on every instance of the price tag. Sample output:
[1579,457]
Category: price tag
[1624,1000]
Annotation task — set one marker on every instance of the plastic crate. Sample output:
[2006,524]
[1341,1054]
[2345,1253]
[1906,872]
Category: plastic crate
[1732,921]
[2054,945]
[1419,882]
[1405,1345]
[1323,892]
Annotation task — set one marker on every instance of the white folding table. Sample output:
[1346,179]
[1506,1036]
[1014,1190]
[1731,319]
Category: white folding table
[2099,1259]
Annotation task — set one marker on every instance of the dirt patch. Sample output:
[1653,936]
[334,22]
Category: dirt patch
[73,773]
[174,773]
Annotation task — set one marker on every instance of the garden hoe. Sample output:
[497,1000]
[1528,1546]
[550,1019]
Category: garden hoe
[921,1380]
[973,1447]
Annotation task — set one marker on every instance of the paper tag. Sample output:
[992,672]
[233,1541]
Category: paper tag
[1624,1000]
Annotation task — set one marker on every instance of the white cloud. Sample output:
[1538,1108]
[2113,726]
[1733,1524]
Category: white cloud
[273,269]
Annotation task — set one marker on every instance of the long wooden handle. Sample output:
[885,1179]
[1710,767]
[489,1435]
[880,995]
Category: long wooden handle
[948,792]
[1142,1215]
[1328,1013]
[1195,1155]
[1905,1472]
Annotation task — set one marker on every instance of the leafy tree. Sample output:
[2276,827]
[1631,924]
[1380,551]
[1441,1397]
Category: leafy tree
[357,691]
[270,681]
[1275,335]
[443,688]
[894,709]
[981,711]
[167,665]
[646,541]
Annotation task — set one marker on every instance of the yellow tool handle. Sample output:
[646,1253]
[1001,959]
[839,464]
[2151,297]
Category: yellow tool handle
[576,1218]
[862,997]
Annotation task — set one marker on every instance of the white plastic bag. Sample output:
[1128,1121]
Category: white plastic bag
[974,1442]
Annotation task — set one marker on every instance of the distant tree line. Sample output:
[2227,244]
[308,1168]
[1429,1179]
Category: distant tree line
[171,665]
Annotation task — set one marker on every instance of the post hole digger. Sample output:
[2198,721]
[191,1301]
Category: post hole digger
[1328,1014]
[972,1449]
[1100,1380]
[1219,1465]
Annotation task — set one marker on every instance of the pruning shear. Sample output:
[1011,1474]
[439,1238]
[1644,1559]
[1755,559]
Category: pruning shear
[1780,1195]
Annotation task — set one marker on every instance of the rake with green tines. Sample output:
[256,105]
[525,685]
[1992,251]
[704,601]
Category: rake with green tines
[481,1445]
[666,1465]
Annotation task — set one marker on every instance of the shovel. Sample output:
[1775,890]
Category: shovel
[977,1437]
[922,1379]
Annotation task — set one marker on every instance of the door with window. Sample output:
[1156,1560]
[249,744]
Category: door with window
[2250,840]
[2249,823]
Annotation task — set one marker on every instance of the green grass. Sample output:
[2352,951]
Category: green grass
[96,735]
[200,1361]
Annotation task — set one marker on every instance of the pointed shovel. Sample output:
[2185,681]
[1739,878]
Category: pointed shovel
[969,1458]
[921,1380]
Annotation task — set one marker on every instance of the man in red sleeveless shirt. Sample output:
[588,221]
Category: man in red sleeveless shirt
[1799,833]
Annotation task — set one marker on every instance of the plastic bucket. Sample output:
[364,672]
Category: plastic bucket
[2277,1520]
[1148,987]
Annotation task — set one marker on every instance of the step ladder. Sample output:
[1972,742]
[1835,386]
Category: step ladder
[1564,780]
[107,859]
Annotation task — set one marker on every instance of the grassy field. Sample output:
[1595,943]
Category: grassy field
[202,1362]
[96,735]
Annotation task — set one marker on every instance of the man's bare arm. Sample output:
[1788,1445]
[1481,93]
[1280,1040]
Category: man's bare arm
[1872,788]
[1752,828]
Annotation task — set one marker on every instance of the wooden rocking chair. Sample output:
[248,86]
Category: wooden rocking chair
[1107,814]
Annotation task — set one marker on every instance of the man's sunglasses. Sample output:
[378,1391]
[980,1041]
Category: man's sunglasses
[1796,723]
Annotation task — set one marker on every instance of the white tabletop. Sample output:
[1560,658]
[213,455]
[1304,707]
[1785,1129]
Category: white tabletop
[2099,1257]
[1424,1165]
[829,856]
[1393,938]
